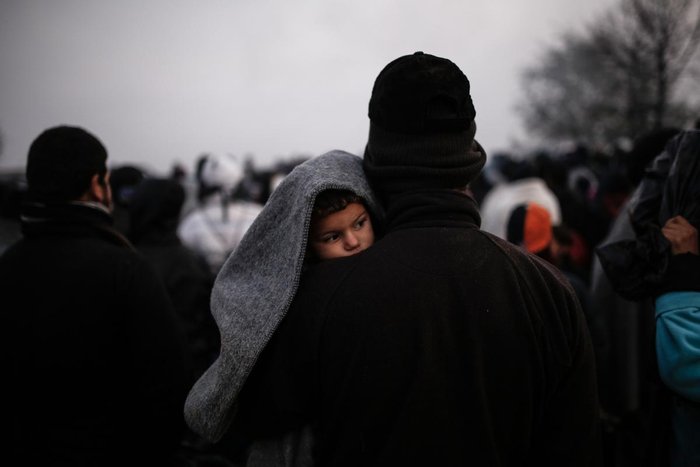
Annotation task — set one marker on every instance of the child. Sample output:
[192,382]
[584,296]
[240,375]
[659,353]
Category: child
[321,210]
[340,225]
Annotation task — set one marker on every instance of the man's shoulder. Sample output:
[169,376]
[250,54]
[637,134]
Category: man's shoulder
[81,248]
[453,252]
[321,279]
[97,251]
[521,258]
[318,285]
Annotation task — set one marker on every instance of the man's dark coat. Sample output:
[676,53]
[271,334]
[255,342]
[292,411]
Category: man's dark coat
[439,345]
[92,352]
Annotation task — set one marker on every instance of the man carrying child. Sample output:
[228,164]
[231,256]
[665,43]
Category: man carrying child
[440,344]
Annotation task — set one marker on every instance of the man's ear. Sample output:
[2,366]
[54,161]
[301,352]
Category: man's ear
[98,189]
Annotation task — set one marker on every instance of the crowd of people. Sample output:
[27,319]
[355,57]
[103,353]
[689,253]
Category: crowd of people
[419,304]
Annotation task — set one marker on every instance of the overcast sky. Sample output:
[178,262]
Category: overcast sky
[162,81]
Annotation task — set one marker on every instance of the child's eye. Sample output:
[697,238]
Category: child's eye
[330,238]
[360,223]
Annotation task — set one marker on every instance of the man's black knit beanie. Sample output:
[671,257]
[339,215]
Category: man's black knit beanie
[61,162]
[421,127]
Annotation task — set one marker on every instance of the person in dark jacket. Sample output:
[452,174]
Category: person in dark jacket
[632,397]
[442,344]
[154,214]
[93,354]
[661,263]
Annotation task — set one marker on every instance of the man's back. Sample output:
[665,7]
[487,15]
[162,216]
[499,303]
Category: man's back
[440,345]
[94,353]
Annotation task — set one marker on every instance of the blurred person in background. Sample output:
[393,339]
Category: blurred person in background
[12,189]
[678,339]
[530,227]
[154,210]
[123,180]
[216,226]
[521,184]
[92,348]
[623,334]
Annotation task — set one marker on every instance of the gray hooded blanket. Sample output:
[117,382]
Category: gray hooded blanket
[259,280]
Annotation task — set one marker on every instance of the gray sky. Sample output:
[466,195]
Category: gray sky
[160,81]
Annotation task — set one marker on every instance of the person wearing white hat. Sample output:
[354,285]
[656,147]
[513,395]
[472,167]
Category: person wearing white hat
[215,228]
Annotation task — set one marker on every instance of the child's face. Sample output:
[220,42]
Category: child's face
[343,233]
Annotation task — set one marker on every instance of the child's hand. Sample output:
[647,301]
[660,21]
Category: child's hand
[682,235]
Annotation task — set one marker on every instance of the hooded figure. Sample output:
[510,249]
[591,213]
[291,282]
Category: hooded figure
[257,283]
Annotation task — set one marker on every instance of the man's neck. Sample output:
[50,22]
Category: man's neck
[92,204]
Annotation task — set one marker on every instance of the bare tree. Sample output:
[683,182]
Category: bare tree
[620,77]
